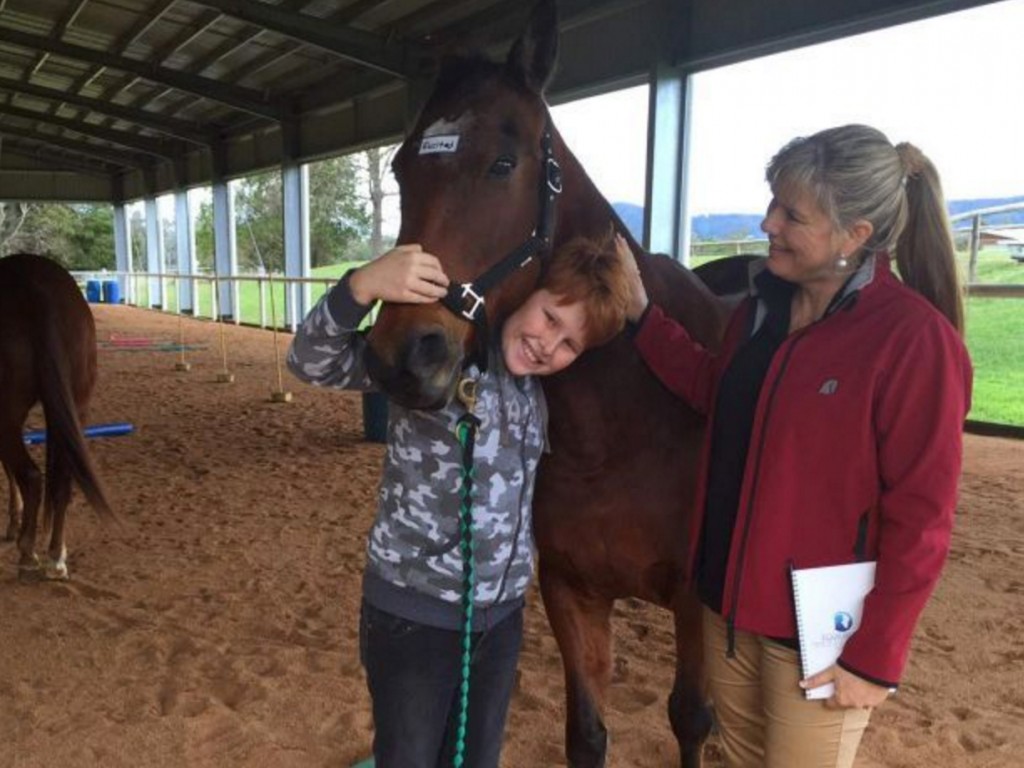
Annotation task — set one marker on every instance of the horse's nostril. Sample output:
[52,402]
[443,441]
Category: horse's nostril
[427,352]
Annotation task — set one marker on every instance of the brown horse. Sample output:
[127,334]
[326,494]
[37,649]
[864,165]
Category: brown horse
[479,175]
[48,355]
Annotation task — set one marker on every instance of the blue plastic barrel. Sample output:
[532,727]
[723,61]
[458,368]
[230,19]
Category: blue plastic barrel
[111,292]
[375,417]
[93,291]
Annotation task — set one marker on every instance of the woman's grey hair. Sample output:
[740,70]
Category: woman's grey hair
[855,173]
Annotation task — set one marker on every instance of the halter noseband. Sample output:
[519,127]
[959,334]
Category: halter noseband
[468,300]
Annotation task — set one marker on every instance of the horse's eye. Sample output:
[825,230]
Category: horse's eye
[502,167]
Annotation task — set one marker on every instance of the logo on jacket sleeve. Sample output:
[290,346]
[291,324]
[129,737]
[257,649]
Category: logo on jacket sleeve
[829,387]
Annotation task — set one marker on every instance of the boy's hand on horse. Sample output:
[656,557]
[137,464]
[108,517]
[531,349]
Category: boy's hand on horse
[406,274]
[638,294]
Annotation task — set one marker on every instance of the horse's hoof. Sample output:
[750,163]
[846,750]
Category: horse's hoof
[55,570]
[30,571]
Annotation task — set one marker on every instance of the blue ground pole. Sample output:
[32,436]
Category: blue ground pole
[38,436]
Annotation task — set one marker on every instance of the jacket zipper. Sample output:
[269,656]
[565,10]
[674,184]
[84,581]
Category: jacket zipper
[730,620]
[860,546]
[847,301]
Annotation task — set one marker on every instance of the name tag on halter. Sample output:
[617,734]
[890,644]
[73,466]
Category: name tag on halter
[431,145]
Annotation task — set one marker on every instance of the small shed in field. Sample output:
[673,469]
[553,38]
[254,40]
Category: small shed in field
[1010,238]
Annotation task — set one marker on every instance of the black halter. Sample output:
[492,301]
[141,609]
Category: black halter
[468,300]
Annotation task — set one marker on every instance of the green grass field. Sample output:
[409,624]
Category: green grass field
[995,329]
[995,338]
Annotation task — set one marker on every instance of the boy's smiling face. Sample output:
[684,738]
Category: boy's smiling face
[542,336]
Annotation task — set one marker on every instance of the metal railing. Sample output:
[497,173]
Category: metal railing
[975,218]
[274,301]
[702,248]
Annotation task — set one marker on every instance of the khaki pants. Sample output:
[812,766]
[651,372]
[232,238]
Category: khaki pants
[763,718]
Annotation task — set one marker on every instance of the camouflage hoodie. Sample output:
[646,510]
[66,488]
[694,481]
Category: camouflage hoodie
[414,564]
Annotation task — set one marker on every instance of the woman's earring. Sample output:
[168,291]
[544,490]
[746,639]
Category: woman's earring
[842,262]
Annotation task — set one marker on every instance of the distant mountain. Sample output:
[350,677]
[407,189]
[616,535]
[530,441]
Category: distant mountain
[715,226]
[992,220]
[633,217]
[727,226]
[740,226]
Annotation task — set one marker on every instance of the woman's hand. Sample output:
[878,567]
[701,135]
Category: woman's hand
[638,294]
[852,692]
[405,274]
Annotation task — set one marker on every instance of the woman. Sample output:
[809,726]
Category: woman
[412,615]
[836,406]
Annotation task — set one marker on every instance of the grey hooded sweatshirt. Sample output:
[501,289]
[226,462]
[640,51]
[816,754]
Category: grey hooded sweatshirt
[414,562]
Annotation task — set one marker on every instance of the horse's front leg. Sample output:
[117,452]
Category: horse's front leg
[688,710]
[581,624]
[14,506]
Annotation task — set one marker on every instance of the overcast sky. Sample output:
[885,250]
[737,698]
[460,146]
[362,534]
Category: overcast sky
[952,85]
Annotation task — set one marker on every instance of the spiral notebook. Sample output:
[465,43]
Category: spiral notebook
[829,603]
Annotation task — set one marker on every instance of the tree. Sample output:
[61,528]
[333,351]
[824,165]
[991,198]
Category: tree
[259,229]
[44,230]
[79,236]
[92,237]
[137,234]
[170,234]
[204,237]
[338,219]
[378,163]
[12,216]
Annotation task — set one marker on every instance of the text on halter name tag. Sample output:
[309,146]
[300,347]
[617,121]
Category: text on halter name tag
[431,145]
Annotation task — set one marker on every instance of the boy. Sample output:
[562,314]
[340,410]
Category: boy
[412,616]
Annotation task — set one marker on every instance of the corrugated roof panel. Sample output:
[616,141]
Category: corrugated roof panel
[185,39]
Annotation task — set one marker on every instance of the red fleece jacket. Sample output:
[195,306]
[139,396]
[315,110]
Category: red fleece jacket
[855,450]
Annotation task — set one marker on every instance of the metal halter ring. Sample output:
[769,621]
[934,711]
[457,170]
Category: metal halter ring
[478,301]
[554,176]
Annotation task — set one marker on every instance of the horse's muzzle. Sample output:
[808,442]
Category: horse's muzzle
[424,372]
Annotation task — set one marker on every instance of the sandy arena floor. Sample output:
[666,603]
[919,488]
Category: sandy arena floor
[218,627]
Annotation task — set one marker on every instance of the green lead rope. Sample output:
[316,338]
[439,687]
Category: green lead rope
[465,431]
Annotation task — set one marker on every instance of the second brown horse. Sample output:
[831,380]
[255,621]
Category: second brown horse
[47,355]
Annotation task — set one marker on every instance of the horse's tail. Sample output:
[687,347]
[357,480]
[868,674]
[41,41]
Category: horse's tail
[64,437]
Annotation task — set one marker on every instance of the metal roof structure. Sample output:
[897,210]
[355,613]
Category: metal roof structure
[114,100]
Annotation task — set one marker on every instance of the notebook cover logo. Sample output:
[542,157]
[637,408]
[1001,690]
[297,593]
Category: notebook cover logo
[842,621]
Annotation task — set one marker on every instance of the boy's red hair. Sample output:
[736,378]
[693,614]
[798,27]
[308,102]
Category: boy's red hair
[589,271]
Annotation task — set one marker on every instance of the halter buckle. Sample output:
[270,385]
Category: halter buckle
[478,301]
[553,171]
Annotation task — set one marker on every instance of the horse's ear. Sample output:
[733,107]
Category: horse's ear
[532,59]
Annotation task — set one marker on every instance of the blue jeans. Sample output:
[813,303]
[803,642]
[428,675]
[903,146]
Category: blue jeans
[413,672]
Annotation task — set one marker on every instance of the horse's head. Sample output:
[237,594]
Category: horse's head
[477,179]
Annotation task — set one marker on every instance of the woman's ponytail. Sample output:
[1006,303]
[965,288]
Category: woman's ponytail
[924,248]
